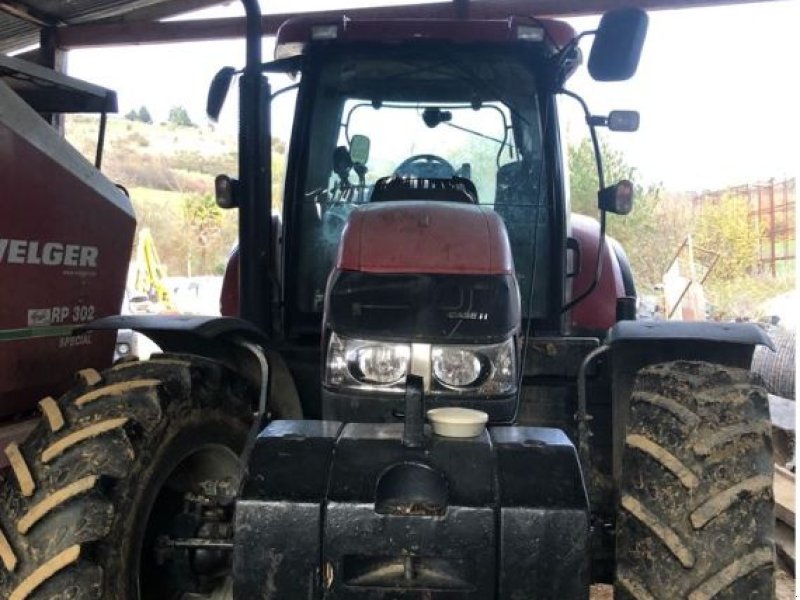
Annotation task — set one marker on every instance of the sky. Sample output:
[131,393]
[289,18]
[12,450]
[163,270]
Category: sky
[717,88]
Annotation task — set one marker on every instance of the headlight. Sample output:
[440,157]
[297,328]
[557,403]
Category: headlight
[380,363]
[485,370]
[123,348]
[455,367]
[365,365]
[375,366]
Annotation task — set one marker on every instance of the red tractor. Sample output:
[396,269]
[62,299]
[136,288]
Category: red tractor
[426,258]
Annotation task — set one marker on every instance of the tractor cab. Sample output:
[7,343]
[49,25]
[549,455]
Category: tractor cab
[431,150]
[443,121]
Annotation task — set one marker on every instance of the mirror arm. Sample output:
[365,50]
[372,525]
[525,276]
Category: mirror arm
[573,43]
[590,121]
[558,75]
[598,271]
[598,121]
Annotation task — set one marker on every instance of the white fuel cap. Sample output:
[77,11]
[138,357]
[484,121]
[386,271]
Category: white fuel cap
[457,422]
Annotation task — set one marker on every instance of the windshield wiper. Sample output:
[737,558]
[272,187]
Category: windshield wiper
[502,143]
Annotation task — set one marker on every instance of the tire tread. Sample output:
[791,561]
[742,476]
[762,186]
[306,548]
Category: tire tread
[710,539]
[85,456]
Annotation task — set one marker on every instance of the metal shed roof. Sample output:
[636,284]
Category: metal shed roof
[82,23]
[22,20]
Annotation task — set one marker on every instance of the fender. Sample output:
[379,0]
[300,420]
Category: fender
[218,338]
[204,336]
[229,296]
[624,268]
[660,332]
[598,311]
[637,344]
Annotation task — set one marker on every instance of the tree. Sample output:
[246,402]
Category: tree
[204,220]
[132,115]
[144,115]
[651,233]
[278,173]
[180,117]
[583,174]
[725,227]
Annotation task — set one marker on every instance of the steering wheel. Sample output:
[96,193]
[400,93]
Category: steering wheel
[428,166]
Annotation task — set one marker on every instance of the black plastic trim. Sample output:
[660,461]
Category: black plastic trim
[183,333]
[729,333]
[374,407]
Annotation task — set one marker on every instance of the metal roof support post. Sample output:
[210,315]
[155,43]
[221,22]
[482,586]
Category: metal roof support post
[52,57]
[255,207]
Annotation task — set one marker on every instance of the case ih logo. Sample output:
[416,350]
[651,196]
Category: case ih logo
[27,252]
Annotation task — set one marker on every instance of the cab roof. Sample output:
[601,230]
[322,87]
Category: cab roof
[295,34]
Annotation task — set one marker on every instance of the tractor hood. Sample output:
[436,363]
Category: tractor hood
[430,237]
[425,271]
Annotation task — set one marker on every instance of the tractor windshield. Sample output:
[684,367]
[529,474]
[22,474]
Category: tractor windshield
[474,116]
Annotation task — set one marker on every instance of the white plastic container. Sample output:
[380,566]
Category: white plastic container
[457,422]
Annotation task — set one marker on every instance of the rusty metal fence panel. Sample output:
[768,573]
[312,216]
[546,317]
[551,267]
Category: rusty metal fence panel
[772,211]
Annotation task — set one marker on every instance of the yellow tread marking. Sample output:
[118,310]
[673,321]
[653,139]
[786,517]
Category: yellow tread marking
[89,376]
[57,448]
[665,458]
[721,502]
[45,572]
[730,395]
[7,553]
[739,568]
[677,409]
[21,470]
[115,389]
[153,361]
[712,441]
[635,588]
[52,412]
[54,500]
[667,536]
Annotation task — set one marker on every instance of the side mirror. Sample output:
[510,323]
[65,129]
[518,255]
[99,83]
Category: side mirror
[623,120]
[617,198]
[618,44]
[617,120]
[218,91]
[226,191]
[359,149]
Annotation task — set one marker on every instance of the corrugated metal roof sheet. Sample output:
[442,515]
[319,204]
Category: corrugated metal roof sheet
[14,32]
[80,11]
[17,32]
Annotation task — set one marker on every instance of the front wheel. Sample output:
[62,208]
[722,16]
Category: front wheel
[696,519]
[120,467]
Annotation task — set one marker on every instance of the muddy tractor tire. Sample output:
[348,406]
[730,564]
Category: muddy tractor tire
[695,519]
[107,473]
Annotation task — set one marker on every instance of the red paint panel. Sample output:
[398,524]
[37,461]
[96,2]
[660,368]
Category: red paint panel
[425,237]
[65,244]
[599,309]
[229,297]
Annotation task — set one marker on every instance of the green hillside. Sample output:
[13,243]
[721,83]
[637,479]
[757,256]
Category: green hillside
[169,172]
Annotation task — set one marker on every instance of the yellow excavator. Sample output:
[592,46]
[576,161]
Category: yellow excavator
[149,273]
